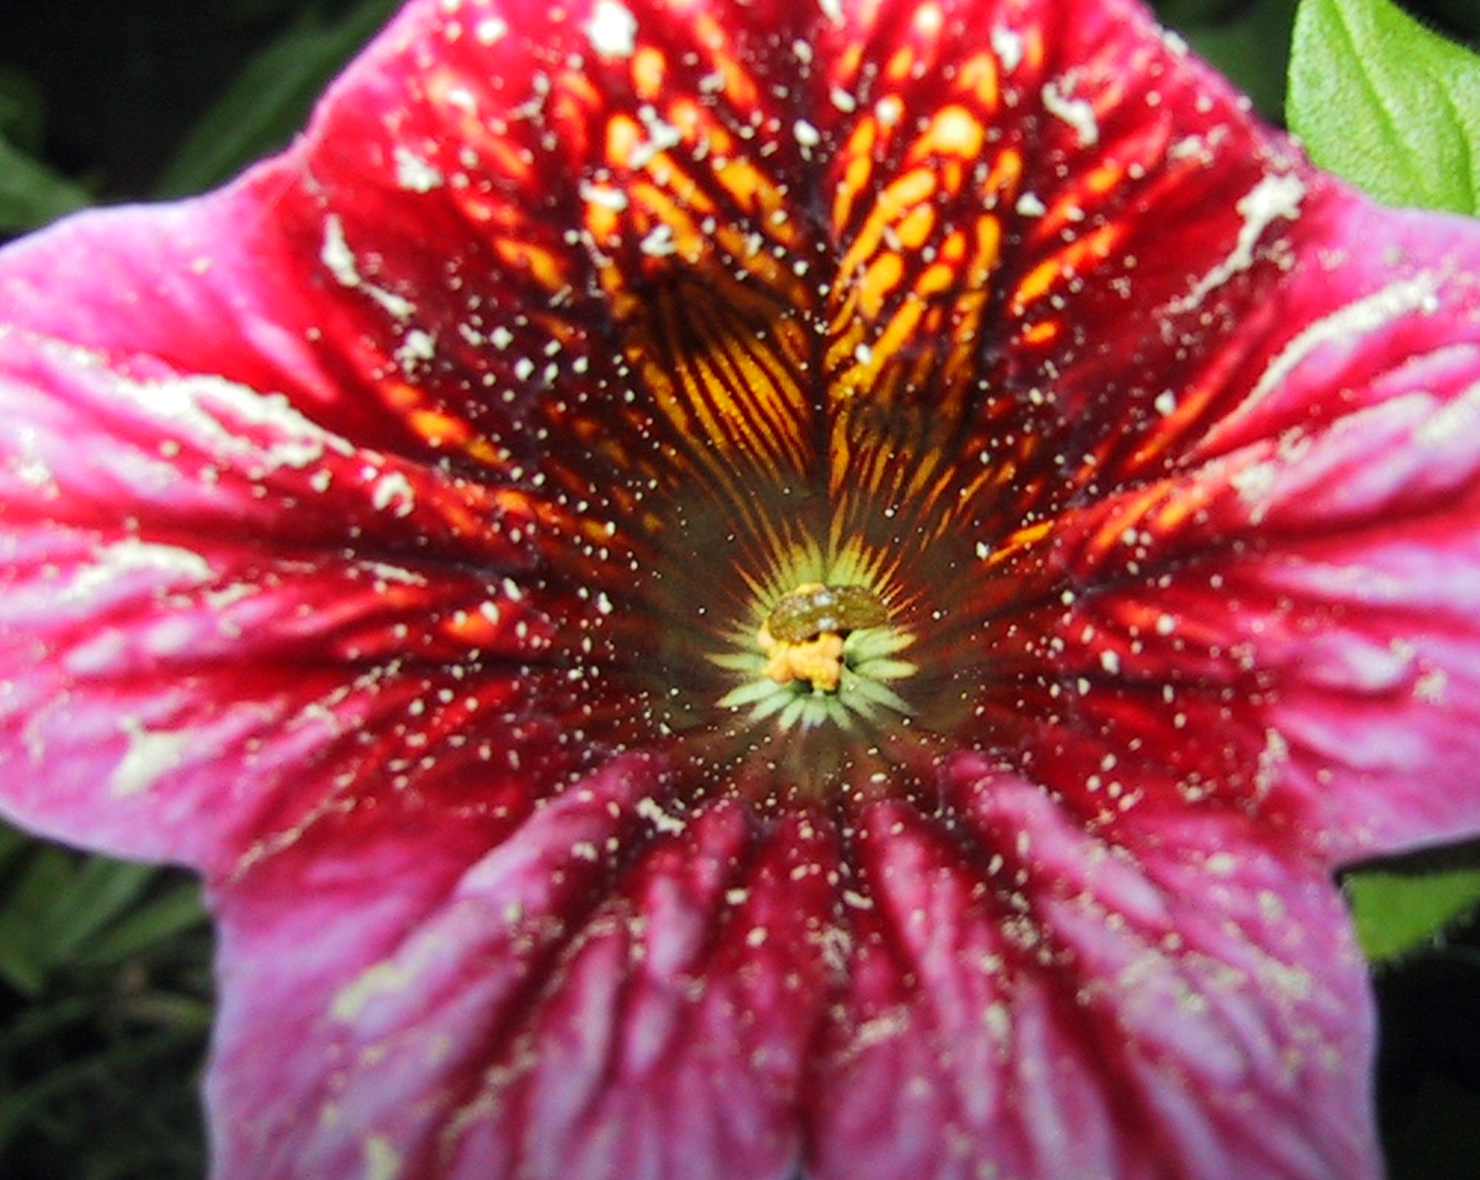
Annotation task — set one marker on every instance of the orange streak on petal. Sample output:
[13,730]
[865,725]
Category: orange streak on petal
[649,73]
[897,68]
[916,227]
[878,282]
[978,78]
[900,196]
[1042,333]
[952,132]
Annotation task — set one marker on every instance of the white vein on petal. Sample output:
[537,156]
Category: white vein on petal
[1343,325]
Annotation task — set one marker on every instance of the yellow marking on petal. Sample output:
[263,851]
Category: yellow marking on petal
[625,136]
[1072,259]
[542,266]
[915,228]
[934,279]
[878,282]
[1035,284]
[856,176]
[901,328]
[952,131]
[649,73]
[978,77]
[901,62]
[900,196]
[439,428]
[754,191]
[1042,332]
[988,250]
[1021,540]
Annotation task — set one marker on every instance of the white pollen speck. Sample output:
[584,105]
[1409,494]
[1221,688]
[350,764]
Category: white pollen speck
[833,10]
[661,137]
[888,111]
[604,196]
[340,260]
[394,488]
[501,337]
[659,242]
[843,100]
[1110,661]
[1009,47]
[414,174]
[660,819]
[490,30]
[1166,402]
[806,134]
[1077,112]
[612,29]
[1165,624]
[417,346]
[336,254]
[1028,205]
[1432,686]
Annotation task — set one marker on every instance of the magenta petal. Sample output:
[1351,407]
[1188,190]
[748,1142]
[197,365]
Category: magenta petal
[535,1013]
[1359,598]
[1032,1001]
[207,599]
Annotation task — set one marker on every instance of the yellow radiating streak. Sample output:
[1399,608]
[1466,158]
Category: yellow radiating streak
[898,197]
[649,73]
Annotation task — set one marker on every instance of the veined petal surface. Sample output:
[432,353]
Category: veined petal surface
[397,536]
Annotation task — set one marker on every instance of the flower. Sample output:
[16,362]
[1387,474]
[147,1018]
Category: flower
[754,590]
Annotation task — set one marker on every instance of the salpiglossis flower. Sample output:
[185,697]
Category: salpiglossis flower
[758,590]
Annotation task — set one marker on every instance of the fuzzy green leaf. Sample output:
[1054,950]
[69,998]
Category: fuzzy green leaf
[1399,912]
[1387,104]
[32,194]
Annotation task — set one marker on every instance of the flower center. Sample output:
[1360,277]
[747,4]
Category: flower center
[805,635]
[822,649]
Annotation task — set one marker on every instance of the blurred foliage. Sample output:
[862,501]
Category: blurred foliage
[105,1004]
[105,991]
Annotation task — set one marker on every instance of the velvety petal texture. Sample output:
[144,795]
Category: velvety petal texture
[757,591]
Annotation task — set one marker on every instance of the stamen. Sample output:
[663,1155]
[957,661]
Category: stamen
[804,636]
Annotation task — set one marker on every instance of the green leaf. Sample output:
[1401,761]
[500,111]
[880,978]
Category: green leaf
[1398,912]
[24,953]
[32,194]
[99,891]
[1387,104]
[158,920]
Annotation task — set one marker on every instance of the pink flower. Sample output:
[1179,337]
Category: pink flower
[747,591]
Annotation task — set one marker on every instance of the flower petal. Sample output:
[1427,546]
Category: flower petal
[615,991]
[1032,1000]
[226,615]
